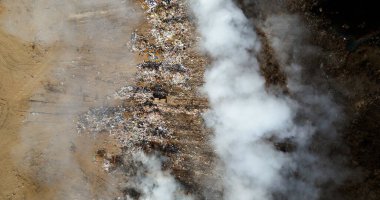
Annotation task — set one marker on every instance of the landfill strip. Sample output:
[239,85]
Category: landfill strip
[161,113]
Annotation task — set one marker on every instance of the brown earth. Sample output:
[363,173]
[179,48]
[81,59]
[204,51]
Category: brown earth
[21,68]
[30,101]
[37,108]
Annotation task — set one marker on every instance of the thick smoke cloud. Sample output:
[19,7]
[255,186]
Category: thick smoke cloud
[243,113]
[249,121]
[152,182]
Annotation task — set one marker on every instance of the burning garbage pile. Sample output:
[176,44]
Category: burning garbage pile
[162,111]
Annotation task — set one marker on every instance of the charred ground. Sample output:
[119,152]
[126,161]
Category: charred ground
[346,66]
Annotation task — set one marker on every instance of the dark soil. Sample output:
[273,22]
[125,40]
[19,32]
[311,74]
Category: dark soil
[348,36]
[354,73]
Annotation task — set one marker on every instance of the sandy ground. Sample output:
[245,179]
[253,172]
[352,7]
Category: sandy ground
[21,69]
[38,106]
[32,113]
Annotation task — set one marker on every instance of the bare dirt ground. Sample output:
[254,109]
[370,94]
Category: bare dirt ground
[38,106]
[33,110]
[22,67]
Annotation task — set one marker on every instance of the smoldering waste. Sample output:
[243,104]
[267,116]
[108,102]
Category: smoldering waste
[161,113]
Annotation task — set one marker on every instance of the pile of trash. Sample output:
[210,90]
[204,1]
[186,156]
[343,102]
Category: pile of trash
[162,110]
[142,119]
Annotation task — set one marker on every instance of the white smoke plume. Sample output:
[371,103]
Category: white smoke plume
[325,162]
[152,182]
[243,113]
[246,117]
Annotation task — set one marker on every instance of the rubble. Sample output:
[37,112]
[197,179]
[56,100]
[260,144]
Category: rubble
[150,65]
[164,98]
[159,92]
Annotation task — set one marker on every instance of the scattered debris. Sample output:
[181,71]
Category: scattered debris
[162,111]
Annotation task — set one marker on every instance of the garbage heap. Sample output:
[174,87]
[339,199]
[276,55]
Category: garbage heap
[162,111]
